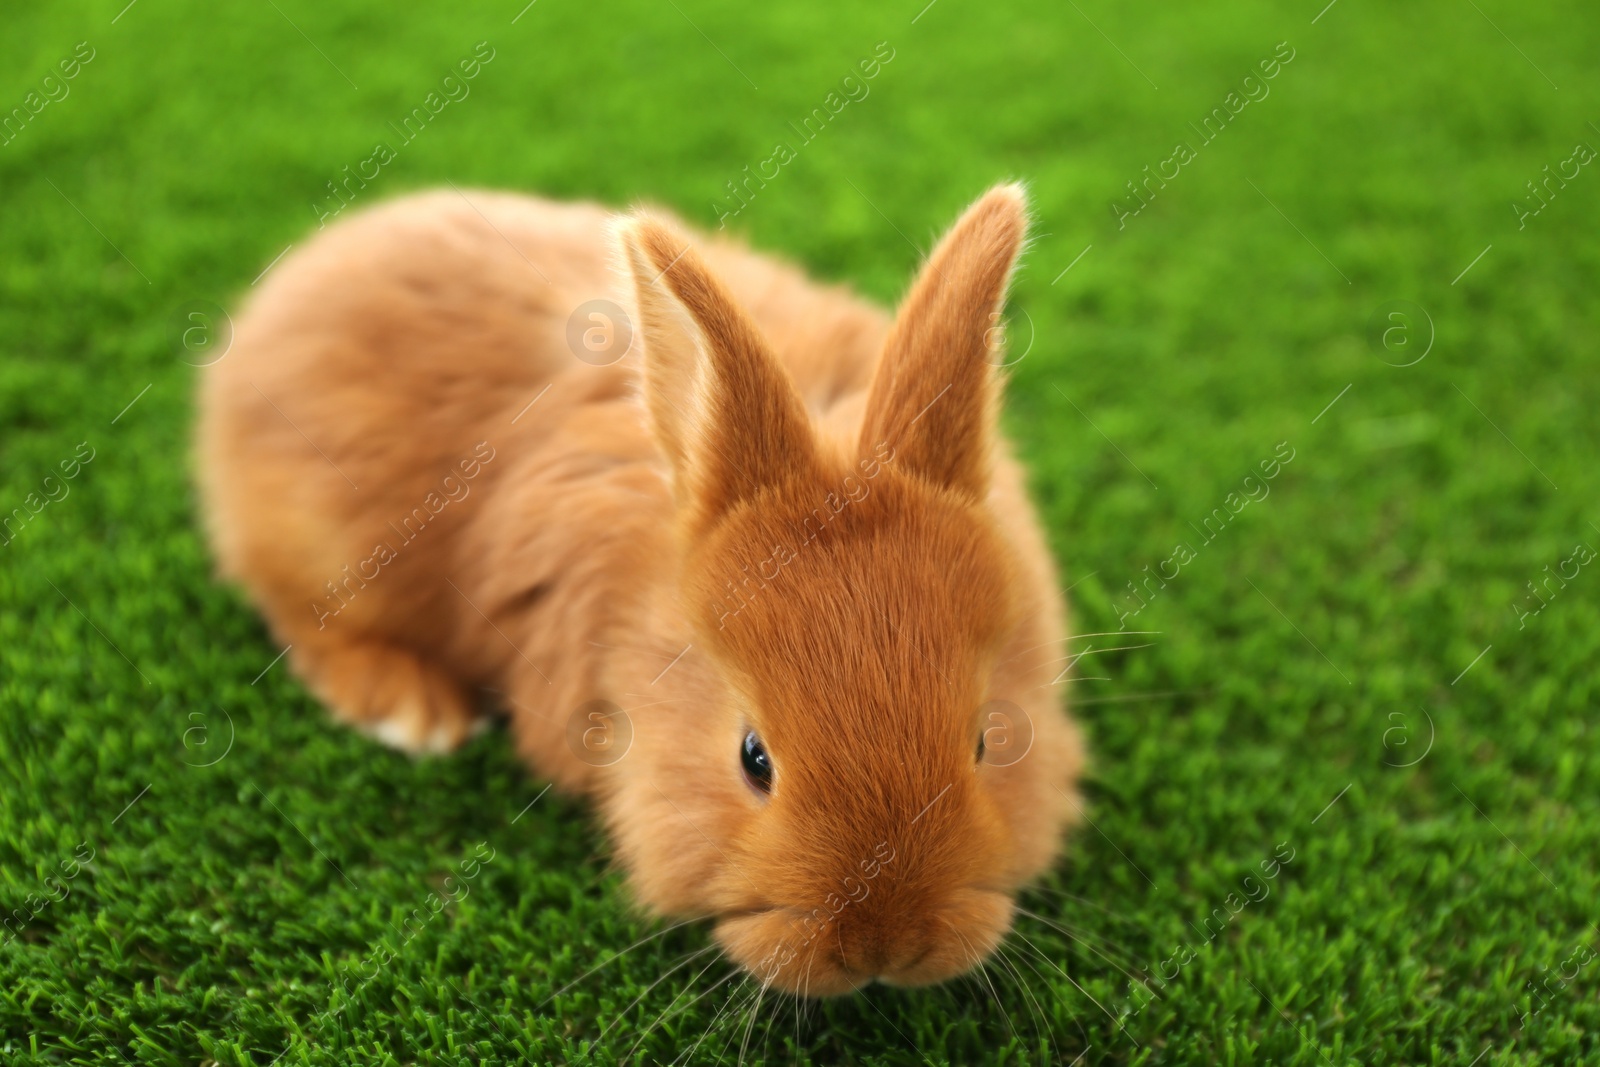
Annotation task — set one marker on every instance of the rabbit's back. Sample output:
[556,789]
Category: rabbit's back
[404,447]
[371,364]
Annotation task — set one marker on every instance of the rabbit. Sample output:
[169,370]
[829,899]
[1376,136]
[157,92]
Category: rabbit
[742,557]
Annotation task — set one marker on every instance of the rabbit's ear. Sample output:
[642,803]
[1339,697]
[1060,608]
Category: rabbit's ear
[934,394]
[722,407]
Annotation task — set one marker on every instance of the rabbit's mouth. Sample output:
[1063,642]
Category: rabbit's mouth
[832,954]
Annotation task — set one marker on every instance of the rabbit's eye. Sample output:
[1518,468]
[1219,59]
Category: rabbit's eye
[757,764]
[980,748]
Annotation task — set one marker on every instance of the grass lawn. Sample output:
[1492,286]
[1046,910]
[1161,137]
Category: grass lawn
[1350,682]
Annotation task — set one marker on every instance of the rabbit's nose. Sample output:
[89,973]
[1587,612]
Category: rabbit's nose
[929,945]
[863,947]
[875,946]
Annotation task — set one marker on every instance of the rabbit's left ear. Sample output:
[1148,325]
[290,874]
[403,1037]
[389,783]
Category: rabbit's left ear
[934,395]
[722,407]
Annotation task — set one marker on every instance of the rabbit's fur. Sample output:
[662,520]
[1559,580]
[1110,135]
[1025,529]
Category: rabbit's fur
[781,510]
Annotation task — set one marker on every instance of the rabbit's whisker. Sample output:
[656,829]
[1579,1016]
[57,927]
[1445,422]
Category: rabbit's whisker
[1076,932]
[1070,930]
[1063,922]
[806,985]
[772,1017]
[1085,939]
[1078,940]
[1086,901]
[1005,956]
[668,1009]
[1071,1014]
[1044,978]
[998,961]
[755,1013]
[1108,949]
[736,1008]
[623,1014]
[983,972]
[1082,990]
[801,1003]
[715,1018]
[613,959]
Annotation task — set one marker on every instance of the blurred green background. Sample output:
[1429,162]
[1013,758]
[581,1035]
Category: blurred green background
[1351,672]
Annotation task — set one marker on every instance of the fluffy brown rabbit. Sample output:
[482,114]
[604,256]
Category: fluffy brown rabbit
[779,533]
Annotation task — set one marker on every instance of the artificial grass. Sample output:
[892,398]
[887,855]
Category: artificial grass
[1344,675]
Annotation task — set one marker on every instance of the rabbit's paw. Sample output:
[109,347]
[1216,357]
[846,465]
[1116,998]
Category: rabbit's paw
[395,696]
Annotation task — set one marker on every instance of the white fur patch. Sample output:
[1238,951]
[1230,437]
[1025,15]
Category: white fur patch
[397,734]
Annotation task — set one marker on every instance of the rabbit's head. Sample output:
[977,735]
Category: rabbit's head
[814,776]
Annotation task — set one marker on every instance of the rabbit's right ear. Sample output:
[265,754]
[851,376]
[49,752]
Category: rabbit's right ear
[722,407]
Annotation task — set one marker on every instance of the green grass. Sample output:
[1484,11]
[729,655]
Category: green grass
[1347,612]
